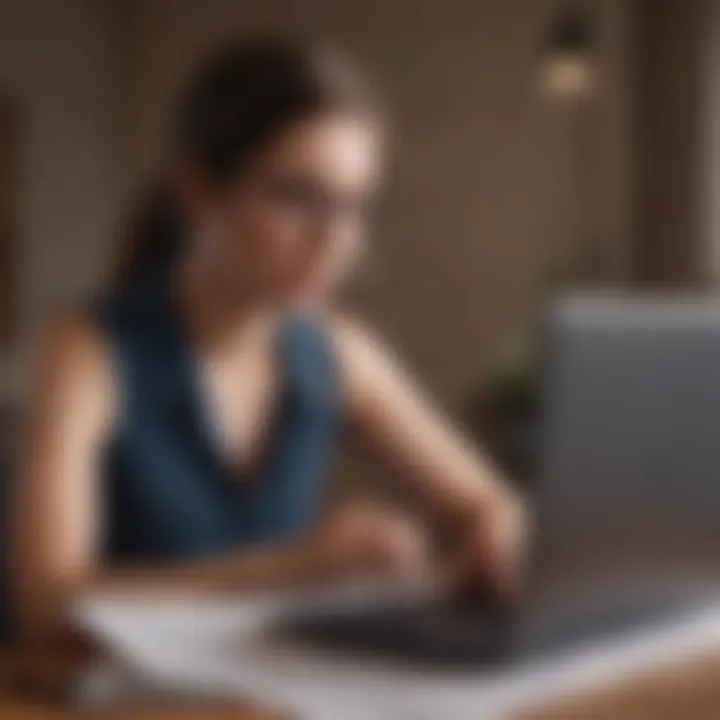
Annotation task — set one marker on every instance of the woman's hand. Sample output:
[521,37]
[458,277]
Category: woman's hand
[362,538]
[493,547]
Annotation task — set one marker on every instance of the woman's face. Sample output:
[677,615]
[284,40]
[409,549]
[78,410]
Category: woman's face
[289,230]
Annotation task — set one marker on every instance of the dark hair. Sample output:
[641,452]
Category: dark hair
[238,103]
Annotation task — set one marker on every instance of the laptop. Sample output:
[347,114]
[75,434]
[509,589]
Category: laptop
[626,508]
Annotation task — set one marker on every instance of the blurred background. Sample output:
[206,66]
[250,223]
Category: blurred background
[537,143]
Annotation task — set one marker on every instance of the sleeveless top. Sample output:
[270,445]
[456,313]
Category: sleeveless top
[168,492]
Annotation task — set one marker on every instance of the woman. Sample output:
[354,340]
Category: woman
[181,428]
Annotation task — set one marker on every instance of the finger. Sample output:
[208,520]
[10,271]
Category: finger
[488,573]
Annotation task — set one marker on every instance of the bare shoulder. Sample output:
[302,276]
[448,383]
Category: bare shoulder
[357,345]
[72,356]
[73,342]
[368,365]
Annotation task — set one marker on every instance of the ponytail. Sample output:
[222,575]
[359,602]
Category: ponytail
[154,238]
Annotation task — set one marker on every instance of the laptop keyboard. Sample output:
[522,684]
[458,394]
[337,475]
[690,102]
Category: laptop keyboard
[436,631]
[457,633]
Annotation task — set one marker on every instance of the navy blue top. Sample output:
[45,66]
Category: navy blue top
[169,491]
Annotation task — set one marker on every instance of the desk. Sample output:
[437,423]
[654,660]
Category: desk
[690,691]
[687,691]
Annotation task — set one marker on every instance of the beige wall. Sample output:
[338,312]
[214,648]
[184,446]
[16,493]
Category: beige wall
[480,183]
[54,60]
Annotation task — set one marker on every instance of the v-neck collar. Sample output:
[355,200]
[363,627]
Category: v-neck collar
[202,419]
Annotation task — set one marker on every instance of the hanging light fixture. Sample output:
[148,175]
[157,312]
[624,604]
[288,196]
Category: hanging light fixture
[567,69]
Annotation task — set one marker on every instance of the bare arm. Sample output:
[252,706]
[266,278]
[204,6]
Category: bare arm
[399,423]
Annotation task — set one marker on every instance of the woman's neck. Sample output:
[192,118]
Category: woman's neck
[218,314]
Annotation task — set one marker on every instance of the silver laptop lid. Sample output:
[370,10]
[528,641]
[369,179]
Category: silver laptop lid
[631,471]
